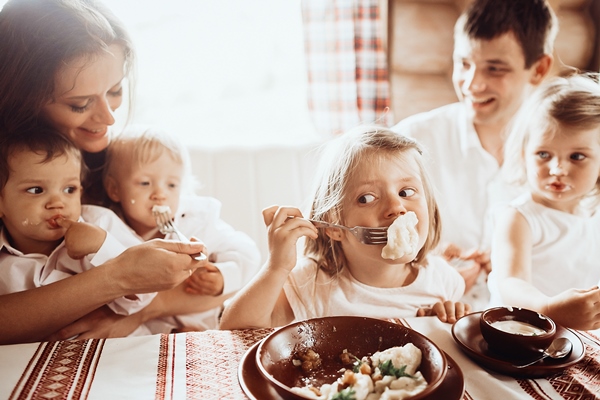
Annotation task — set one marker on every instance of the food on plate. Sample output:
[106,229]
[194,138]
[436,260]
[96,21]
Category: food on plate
[390,374]
[308,360]
[161,209]
[403,237]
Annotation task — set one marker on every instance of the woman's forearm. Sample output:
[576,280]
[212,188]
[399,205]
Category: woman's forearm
[32,315]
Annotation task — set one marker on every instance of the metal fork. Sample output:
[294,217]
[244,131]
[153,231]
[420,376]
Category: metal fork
[165,226]
[364,234]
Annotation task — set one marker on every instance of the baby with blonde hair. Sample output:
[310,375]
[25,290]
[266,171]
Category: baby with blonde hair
[148,168]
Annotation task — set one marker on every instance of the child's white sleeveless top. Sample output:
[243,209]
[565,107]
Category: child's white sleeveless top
[565,252]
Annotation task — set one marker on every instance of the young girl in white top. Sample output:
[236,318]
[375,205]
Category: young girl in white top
[368,177]
[147,167]
[546,249]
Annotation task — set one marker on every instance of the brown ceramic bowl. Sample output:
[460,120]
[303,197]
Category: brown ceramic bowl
[328,337]
[516,332]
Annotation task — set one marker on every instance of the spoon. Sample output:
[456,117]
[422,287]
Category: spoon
[559,348]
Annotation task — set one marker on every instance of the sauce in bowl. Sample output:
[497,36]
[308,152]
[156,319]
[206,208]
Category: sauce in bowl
[518,328]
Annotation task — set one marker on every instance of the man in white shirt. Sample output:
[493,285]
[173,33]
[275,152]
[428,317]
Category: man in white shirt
[502,50]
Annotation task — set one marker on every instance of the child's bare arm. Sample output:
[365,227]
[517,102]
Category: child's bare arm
[262,302]
[511,258]
[81,238]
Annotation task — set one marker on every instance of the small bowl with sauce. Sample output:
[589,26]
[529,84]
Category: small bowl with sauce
[516,332]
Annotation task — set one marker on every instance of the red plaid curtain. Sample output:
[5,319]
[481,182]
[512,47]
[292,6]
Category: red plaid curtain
[348,81]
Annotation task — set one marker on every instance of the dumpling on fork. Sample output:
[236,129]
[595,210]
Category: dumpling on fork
[403,237]
[161,209]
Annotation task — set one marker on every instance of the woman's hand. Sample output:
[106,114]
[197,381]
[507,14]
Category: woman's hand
[153,266]
[285,226]
[447,311]
[100,323]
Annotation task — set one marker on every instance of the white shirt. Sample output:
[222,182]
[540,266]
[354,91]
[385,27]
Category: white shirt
[466,177]
[19,272]
[565,250]
[313,293]
[236,256]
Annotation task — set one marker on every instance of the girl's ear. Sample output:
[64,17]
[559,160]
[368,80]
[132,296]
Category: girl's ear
[112,189]
[334,234]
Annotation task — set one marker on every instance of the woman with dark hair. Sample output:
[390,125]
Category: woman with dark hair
[65,63]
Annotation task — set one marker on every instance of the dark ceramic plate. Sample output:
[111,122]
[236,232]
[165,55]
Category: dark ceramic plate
[256,387]
[329,337]
[467,333]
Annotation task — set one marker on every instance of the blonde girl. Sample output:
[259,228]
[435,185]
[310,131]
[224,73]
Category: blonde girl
[545,249]
[368,177]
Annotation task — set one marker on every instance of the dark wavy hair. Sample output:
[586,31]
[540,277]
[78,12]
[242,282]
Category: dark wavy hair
[38,37]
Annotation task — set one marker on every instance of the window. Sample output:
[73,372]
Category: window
[220,73]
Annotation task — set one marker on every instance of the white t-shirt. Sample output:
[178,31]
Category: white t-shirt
[466,177]
[236,255]
[313,293]
[19,272]
[565,252]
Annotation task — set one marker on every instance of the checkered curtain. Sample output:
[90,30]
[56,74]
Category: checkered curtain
[347,65]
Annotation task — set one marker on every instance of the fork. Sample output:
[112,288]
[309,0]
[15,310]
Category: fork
[165,226]
[364,234]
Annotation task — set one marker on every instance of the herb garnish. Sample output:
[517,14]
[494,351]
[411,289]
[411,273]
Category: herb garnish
[387,368]
[346,394]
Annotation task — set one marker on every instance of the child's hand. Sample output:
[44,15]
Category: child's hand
[448,311]
[81,238]
[283,234]
[205,281]
[471,264]
[575,308]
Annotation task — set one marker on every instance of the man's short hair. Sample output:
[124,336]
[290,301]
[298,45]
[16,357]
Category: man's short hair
[533,23]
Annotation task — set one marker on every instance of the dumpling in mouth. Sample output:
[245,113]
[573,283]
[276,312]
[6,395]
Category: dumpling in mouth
[161,209]
[403,237]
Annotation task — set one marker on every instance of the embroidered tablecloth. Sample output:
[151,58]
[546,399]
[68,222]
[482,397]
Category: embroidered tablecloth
[204,365]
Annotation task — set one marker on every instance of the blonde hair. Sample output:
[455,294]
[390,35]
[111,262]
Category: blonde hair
[140,145]
[340,158]
[558,104]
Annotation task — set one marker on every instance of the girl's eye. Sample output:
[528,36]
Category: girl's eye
[145,183]
[367,198]
[577,156]
[116,93]
[172,185]
[543,155]
[407,192]
[35,190]
[80,109]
